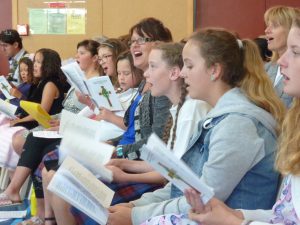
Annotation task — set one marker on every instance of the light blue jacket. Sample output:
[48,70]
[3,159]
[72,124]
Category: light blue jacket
[236,141]
[235,158]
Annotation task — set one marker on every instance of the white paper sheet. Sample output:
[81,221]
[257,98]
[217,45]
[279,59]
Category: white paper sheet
[155,152]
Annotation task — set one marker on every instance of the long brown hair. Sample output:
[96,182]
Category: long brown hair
[242,67]
[288,157]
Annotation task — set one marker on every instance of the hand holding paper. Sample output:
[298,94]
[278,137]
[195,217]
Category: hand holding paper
[176,171]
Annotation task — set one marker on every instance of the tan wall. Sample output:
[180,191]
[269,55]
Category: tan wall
[120,15]
[111,18]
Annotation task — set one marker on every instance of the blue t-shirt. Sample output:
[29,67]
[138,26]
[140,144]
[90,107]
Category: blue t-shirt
[129,135]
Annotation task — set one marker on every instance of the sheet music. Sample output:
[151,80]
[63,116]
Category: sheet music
[8,109]
[75,76]
[75,122]
[5,88]
[80,188]
[155,152]
[92,155]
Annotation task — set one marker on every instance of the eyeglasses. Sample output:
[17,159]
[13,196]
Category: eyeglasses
[103,58]
[140,40]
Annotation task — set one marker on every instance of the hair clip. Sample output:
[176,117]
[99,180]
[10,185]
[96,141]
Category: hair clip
[107,44]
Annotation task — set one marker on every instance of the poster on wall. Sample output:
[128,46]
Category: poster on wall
[57,21]
[38,21]
[76,21]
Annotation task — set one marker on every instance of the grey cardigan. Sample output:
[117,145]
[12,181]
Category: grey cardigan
[153,113]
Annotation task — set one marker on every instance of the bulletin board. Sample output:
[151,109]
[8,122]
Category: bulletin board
[57,19]
[58,25]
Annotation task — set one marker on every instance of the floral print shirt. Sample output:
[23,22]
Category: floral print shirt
[283,210]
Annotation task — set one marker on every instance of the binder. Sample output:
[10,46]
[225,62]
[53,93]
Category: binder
[37,112]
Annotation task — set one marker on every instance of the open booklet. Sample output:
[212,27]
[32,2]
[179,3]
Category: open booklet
[155,152]
[5,88]
[8,109]
[80,142]
[90,153]
[37,112]
[78,186]
[100,89]
[73,121]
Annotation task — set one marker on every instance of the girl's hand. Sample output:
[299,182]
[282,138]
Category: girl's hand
[13,122]
[120,163]
[193,198]
[85,99]
[16,93]
[119,215]
[118,174]
[104,114]
[216,213]
[53,128]
[54,123]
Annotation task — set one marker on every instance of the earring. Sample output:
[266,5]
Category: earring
[212,77]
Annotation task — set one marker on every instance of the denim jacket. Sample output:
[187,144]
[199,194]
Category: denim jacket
[254,190]
[256,185]
[233,152]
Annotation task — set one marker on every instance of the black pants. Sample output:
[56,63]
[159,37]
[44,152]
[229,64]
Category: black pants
[34,151]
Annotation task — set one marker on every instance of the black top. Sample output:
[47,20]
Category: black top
[36,94]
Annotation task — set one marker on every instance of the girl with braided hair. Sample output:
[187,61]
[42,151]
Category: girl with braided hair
[163,76]
[239,132]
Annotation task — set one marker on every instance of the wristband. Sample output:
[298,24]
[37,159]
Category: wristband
[119,150]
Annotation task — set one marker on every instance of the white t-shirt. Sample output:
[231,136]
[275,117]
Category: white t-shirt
[189,115]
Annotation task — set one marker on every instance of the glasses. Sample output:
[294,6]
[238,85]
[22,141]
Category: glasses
[103,58]
[140,41]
